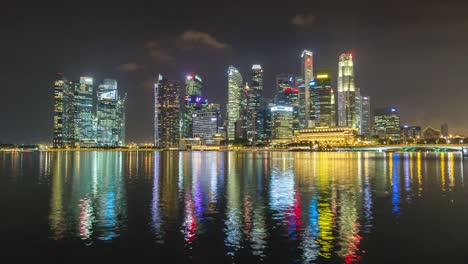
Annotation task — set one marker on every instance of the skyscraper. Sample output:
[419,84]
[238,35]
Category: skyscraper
[63,113]
[387,123]
[291,98]
[254,93]
[348,108]
[193,85]
[122,122]
[193,100]
[283,81]
[265,108]
[167,113]
[308,76]
[322,100]
[365,116]
[281,123]
[444,130]
[206,121]
[85,133]
[235,94]
[110,115]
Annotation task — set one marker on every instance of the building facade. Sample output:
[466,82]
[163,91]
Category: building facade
[365,125]
[281,123]
[110,115]
[235,95]
[301,110]
[167,113]
[265,108]
[327,136]
[254,118]
[307,61]
[348,94]
[387,124]
[322,100]
[192,102]
[63,113]
[205,124]
[85,133]
[283,82]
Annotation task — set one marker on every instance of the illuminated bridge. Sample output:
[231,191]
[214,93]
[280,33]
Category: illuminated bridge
[409,148]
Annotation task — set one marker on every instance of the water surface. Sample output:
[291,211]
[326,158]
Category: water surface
[235,207]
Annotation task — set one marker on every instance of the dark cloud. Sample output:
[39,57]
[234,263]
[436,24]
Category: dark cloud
[303,20]
[191,39]
[158,53]
[130,67]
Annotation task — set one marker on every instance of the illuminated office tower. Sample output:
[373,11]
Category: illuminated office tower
[283,81]
[348,94]
[122,117]
[192,101]
[244,115]
[322,101]
[166,113]
[301,102]
[107,117]
[235,95]
[387,123]
[291,98]
[365,116]
[265,108]
[254,118]
[206,121]
[110,115]
[308,75]
[63,113]
[85,133]
[214,107]
[281,123]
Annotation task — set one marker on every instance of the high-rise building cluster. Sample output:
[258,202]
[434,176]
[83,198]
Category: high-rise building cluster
[305,110]
[184,123]
[301,101]
[83,118]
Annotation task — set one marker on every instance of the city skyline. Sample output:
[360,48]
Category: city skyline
[203,48]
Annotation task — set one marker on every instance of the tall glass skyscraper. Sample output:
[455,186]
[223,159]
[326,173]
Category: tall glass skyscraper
[85,133]
[308,76]
[365,116]
[63,113]
[254,93]
[166,113]
[348,101]
[322,101]
[110,115]
[235,94]
[193,101]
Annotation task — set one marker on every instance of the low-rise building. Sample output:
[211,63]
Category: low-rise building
[327,136]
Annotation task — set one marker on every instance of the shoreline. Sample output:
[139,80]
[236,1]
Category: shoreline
[396,150]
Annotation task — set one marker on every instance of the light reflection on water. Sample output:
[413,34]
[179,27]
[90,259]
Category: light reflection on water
[316,207]
[87,196]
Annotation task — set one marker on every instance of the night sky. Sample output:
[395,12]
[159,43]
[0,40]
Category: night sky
[408,54]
